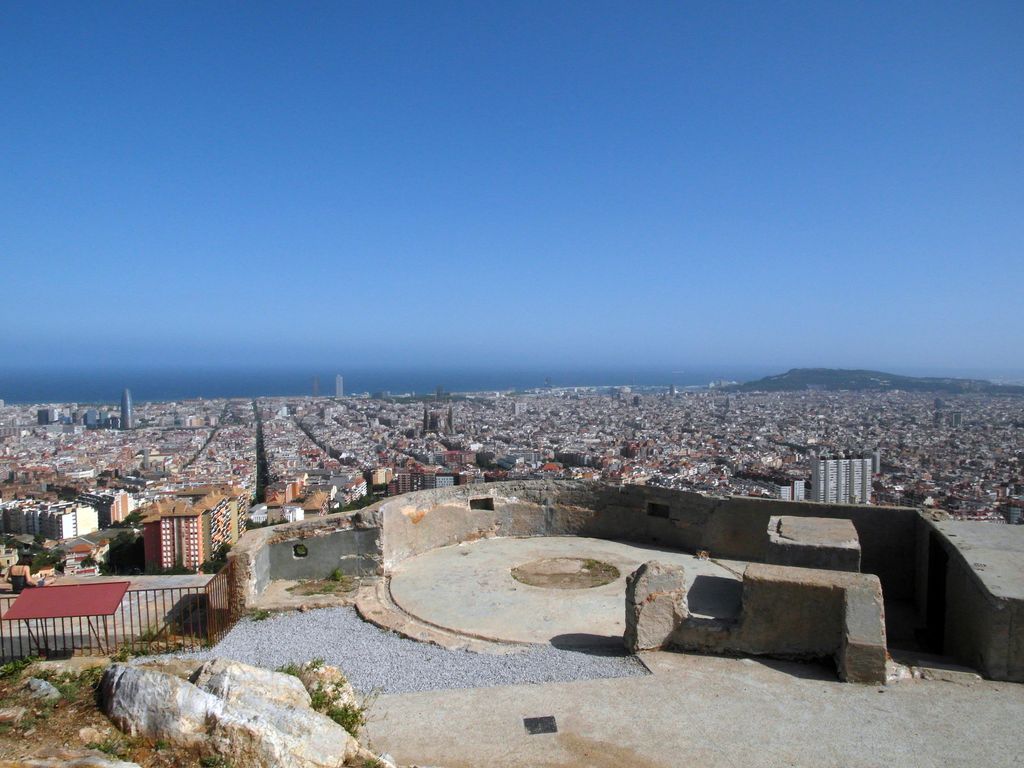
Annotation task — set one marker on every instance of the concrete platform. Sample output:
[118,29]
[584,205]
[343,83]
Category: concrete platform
[710,712]
[468,588]
[995,554]
[813,542]
[375,605]
[278,597]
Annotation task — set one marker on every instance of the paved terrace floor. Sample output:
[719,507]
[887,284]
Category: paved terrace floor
[469,588]
[708,712]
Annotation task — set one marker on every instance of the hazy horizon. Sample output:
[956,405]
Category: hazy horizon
[104,385]
[574,184]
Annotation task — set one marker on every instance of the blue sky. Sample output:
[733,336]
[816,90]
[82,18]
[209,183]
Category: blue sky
[513,184]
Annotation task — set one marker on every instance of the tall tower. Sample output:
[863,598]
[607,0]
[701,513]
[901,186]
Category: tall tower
[841,481]
[339,386]
[127,417]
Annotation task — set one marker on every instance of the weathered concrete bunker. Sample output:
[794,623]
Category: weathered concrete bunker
[950,588]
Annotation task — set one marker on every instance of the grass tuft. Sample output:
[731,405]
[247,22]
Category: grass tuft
[291,668]
[13,670]
[351,717]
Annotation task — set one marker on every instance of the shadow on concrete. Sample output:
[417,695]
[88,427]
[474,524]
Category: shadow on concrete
[716,597]
[824,670]
[593,645]
[903,630]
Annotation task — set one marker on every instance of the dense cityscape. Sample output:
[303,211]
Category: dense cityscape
[187,478]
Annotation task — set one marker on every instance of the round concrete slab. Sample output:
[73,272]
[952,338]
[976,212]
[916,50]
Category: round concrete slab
[469,588]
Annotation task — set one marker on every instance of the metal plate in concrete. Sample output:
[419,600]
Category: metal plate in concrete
[537,725]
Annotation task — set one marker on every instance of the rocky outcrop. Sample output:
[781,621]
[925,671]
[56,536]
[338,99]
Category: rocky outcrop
[655,605]
[12,715]
[42,690]
[248,716]
[67,758]
[327,681]
[234,681]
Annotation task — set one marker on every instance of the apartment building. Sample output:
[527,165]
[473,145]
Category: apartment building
[111,506]
[53,520]
[190,525]
[841,480]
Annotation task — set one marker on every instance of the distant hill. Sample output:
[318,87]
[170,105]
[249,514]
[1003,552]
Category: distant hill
[838,378]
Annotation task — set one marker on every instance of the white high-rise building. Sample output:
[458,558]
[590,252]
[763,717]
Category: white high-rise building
[57,520]
[339,386]
[841,481]
[791,491]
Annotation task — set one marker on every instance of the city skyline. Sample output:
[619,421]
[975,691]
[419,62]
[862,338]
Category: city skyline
[580,185]
[158,385]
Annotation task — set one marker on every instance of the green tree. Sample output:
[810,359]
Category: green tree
[127,553]
[131,520]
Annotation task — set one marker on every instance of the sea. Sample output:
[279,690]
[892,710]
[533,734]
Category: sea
[76,385]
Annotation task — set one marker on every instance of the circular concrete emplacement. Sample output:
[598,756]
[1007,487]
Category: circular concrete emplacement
[565,573]
[469,589]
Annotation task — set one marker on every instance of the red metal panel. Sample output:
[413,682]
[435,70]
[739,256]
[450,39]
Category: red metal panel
[64,600]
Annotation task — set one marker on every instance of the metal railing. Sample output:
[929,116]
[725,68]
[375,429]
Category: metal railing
[148,621]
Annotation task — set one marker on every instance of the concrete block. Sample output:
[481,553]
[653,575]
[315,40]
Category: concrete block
[792,612]
[812,613]
[813,542]
[655,605]
[862,656]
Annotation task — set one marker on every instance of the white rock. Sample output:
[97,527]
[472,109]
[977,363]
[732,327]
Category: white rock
[245,714]
[232,680]
[67,758]
[143,702]
[328,679]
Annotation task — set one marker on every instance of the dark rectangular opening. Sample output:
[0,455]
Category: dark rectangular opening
[657,510]
[487,502]
[535,725]
[935,624]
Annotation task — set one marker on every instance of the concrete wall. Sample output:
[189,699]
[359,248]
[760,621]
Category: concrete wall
[347,541]
[984,596]
[733,528]
[972,622]
[982,630]
[261,569]
[887,535]
[354,551]
[419,522]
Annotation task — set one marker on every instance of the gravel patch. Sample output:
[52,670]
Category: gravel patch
[376,660]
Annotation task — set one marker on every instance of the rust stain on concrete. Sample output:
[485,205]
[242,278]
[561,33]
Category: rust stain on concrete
[415,514]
